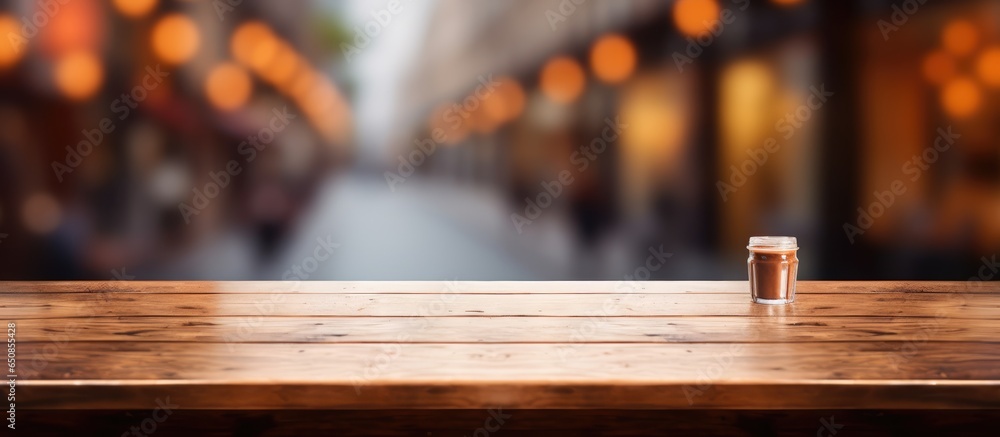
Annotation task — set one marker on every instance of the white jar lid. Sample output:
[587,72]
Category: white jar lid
[769,242]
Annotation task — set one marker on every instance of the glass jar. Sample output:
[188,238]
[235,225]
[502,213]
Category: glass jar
[772,266]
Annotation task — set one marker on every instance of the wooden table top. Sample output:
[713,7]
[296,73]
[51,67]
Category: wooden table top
[531,345]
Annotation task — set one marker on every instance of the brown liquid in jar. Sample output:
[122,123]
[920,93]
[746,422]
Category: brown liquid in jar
[772,273]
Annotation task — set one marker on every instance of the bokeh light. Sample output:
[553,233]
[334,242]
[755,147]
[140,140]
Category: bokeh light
[175,38]
[280,71]
[75,25]
[134,8]
[938,67]
[692,17]
[960,98]
[79,75]
[506,103]
[613,58]
[228,86]
[988,66]
[253,44]
[959,37]
[10,52]
[41,213]
[562,79]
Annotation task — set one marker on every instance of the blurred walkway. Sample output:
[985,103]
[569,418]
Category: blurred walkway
[422,231]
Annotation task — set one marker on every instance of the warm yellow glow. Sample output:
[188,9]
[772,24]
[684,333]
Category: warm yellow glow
[959,37]
[10,52]
[228,86]
[562,80]
[988,67]
[41,213]
[960,98]
[655,121]
[175,38]
[134,8]
[79,75]
[746,91]
[613,58]
[939,67]
[693,17]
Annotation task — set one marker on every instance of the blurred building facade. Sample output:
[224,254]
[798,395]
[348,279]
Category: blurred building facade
[568,137]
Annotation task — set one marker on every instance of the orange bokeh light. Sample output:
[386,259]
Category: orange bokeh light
[562,79]
[959,37]
[692,17]
[175,38]
[988,66]
[253,44]
[280,72]
[613,58]
[506,103]
[76,25]
[10,52]
[938,67]
[78,75]
[960,98]
[134,8]
[228,86]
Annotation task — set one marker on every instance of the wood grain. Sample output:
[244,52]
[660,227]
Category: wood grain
[789,329]
[895,304]
[349,345]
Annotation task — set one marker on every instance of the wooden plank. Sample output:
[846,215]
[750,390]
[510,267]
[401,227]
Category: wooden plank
[609,363]
[487,287]
[30,306]
[213,395]
[505,329]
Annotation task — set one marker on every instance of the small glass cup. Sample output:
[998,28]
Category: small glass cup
[773,266]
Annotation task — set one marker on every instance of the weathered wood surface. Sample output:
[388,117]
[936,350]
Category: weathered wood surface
[645,345]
